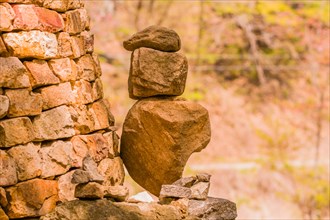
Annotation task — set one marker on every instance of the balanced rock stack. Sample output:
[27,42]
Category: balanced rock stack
[160,131]
[54,122]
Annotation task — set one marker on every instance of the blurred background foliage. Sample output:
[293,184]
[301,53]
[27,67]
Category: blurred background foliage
[261,68]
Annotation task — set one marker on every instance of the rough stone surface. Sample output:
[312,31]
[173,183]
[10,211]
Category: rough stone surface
[97,89]
[40,73]
[3,48]
[80,151]
[78,46]
[89,191]
[23,103]
[212,208]
[90,166]
[13,73]
[174,191]
[87,65]
[159,135]
[31,17]
[27,159]
[7,16]
[185,181]
[64,45]
[56,95]
[23,131]
[32,198]
[203,177]
[112,170]
[118,193]
[88,41]
[62,5]
[155,73]
[3,215]
[56,158]
[83,92]
[49,20]
[76,21]
[101,114]
[158,38]
[7,170]
[64,69]
[90,210]
[83,119]
[112,143]
[200,190]
[151,211]
[97,146]
[80,176]
[54,124]
[66,187]
[4,106]
[34,44]
[3,197]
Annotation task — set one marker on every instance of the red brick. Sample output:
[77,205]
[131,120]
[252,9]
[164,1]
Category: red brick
[49,20]
[30,17]
[26,18]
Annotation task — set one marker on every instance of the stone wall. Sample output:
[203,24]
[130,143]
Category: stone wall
[55,127]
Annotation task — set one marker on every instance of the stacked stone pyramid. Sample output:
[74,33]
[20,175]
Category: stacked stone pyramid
[161,130]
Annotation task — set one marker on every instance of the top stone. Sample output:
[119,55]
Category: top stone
[155,37]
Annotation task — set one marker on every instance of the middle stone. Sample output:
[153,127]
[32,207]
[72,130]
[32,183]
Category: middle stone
[159,135]
[155,73]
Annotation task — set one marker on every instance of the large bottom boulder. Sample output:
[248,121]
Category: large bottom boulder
[159,135]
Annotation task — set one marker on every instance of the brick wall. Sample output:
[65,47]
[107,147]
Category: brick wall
[52,112]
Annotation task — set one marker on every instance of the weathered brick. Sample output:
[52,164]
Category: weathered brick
[66,187]
[63,5]
[32,198]
[54,124]
[112,170]
[7,16]
[64,45]
[111,138]
[3,49]
[88,39]
[56,158]
[4,106]
[13,73]
[31,44]
[3,215]
[27,160]
[23,103]
[100,113]
[97,65]
[64,68]
[31,17]
[97,145]
[78,46]
[86,63]
[7,170]
[83,92]
[56,95]
[76,21]
[26,18]
[58,5]
[16,131]
[49,20]
[40,73]
[80,151]
[83,119]
[97,89]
